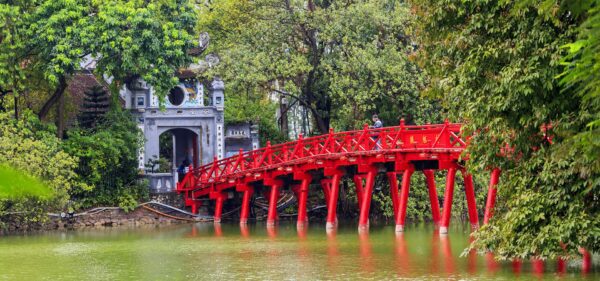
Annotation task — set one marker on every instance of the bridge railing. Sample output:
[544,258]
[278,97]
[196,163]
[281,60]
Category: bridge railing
[398,138]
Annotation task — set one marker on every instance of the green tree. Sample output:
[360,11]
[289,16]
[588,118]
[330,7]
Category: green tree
[95,105]
[342,61]
[495,65]
[31,147]
[108,165]
[50,38]
[16,184]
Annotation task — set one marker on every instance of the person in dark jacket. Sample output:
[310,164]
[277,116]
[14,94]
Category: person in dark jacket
[376,122]
[183,169]
[376,125]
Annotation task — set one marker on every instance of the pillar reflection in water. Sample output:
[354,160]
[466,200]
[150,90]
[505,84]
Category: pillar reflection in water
[193,231]
[244,230]
[447,254]
[304,254]
[516,266]
[366,252]
[272,231]
[491,263]
[434,255]
[472,259]
[537,267]
[333,252]
[402,256]
[218,230]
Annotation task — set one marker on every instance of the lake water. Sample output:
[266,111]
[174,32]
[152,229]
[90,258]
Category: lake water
[206,252]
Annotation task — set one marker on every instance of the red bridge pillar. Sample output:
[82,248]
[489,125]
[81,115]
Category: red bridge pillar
[403,200]
[470,195]
[358,183]
[393,180]
[326,185]
[273,198]
[302,198]
[245,209]
[219,198]
[433,198]
[491,197]
[448,195]
[363,220]
[334,189]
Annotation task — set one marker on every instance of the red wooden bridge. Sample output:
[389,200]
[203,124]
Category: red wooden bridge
[360,155]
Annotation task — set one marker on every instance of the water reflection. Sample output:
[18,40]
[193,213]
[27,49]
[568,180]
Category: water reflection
[218,230]
[472,259]
[448,258]
[402,256]
[283,252]
[366,252]
[333,252]
[244,230]
[272,231]
[491,263]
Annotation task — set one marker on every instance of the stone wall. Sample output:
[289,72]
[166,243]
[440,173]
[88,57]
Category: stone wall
[105,218]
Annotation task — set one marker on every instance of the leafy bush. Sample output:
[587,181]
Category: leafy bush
[108,165]
[16,184]
[32,147]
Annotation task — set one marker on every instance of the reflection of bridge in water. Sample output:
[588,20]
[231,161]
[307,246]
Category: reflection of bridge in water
[408,254]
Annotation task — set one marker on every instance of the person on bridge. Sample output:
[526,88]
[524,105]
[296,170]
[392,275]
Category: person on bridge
[376,122]
[376,125]
[183,169]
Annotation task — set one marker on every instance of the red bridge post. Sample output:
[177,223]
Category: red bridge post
[403,199]
[471,204]
[393,180]
[273,198]
[302,198]
[363,221]
[433,198]
[358,183]
[448,195]
[245,210]
[326,186]
[332,203]
[219,198]
[491,197]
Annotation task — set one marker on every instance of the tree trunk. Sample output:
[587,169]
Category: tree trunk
[16,98]
[60,118]
[58,92]
[283,119]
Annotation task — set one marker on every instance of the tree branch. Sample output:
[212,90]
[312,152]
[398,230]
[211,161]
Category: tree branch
[58,92]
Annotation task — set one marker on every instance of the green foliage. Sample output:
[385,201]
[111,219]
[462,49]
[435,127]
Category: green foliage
[16,184]
[538,213]
[342,61]
[582,75]
[127,202]
[32,147]
[10,44]
[108,166]
[495,64]
[149,39]
[256,109]
[50,38]
[95,105]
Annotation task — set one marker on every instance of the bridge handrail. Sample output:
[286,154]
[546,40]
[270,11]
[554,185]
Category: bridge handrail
[434,136]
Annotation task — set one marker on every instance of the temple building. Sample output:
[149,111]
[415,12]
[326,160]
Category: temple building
[191,126]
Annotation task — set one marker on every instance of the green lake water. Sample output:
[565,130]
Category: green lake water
[206,252]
